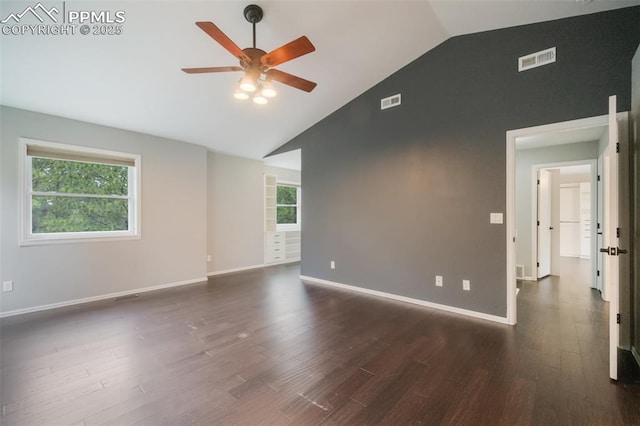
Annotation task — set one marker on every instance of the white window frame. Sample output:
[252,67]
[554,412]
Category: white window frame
[27,237]
[290,226]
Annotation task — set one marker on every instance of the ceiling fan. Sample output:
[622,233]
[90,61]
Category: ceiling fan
[256,63]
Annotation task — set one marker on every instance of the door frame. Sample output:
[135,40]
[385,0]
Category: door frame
[511,136]
[594,202]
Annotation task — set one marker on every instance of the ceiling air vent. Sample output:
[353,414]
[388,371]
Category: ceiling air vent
[537,59]
[391,101]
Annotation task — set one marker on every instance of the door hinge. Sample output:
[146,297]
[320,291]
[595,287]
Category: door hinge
[598,178]
[538,264]
[597,273]
[598,225]
[538,181]
[617,318]
[617,147]
[538,223]
[617,232]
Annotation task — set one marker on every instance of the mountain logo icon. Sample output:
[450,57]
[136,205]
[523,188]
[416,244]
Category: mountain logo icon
[39,11]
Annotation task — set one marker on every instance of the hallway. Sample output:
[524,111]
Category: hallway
[565,325]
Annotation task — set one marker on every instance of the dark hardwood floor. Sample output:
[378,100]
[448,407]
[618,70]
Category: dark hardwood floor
[262,348]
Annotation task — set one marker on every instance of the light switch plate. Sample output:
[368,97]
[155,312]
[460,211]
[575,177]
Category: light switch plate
[7,286]
[496,218]
[466,285]
[438,281]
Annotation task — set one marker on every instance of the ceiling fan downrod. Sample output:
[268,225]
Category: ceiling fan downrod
[253,13]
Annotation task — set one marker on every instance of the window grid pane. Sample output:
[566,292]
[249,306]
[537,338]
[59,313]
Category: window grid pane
[60,176]
[55,214]
[287,215]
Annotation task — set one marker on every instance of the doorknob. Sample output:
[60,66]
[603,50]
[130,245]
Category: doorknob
[613,251]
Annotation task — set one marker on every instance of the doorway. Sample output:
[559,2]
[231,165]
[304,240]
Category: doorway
[616,136]
[520,225]
[565,208]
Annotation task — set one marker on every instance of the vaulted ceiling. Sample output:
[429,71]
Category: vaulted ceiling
[133,80]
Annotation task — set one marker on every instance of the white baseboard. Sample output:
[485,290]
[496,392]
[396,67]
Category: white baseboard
[284,262]
[101,297]
[233,270]
[528,279]
[249,268]
[474,314]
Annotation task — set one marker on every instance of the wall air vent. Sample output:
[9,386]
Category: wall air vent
[537,59]
[391,101]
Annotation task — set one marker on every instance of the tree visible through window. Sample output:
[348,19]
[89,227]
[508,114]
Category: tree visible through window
[69,196]
[287,205]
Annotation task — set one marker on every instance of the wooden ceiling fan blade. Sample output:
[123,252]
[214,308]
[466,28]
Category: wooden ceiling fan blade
[296,48]
[216,33]
[210,69]
[291,80]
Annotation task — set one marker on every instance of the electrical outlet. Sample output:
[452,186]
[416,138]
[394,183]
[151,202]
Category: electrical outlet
[333,264]
[438,281]
[208,258]
[466,285]
[7,286]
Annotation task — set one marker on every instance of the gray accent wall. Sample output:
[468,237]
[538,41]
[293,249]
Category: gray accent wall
[635,168]
[173,245]
[398,196]
[525,160]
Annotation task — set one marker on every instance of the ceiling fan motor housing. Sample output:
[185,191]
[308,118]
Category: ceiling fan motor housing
[255,67]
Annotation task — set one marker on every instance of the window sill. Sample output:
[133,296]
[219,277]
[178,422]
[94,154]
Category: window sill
[72,240]
[283,228]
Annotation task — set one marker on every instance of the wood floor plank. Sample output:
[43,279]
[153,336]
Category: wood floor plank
[261,347]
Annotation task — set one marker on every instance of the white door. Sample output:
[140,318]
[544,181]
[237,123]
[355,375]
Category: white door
[614,229]
[544,223]
[600,226]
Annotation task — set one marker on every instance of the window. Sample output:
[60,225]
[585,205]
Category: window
[288,206]
[74,193]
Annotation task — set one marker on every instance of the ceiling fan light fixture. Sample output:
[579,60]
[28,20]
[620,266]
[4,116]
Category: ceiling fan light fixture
[259,99]
[268,91]
[241,94]
[248,84]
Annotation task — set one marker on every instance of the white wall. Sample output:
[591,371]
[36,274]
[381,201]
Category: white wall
[525,159]
[173,245]
[236,210]
[284,175]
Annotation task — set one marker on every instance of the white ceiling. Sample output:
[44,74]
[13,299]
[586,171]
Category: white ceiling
[581,170]
[133,81]
[541,140]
